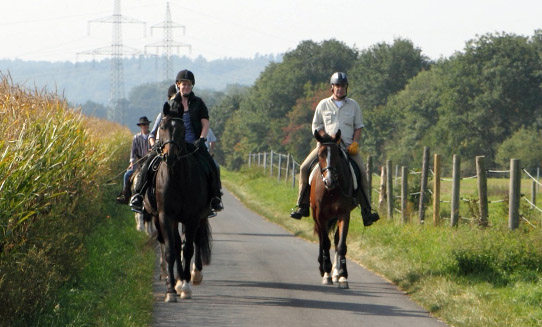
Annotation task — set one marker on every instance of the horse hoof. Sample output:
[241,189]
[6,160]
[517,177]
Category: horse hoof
[197,277]
[183,289]
[327,281]
[170,297]
[343,283]
[335,278]
[186,295]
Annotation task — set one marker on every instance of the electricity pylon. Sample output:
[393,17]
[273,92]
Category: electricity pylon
[167,43]
[116,51]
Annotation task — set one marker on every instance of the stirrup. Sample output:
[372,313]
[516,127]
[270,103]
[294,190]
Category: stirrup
[136,203]
[299,212]
[216,204]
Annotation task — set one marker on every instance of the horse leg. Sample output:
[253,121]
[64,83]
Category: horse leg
[170,255]
[163,263]
[197,266]
[335,269]
[188,252]
[341,251]
[325,262]
[139,221]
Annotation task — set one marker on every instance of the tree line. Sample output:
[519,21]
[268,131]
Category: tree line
[484,100]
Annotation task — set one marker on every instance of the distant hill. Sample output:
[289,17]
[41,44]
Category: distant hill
[90,80]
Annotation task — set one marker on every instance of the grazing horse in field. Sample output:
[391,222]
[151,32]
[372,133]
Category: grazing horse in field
[331,203]
[182,196]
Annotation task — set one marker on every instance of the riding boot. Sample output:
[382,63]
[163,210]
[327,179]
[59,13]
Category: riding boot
[367,215]
[124,196]
[136,202]
[303,202]
[216,201]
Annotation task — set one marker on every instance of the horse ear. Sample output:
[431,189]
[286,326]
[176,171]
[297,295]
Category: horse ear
[166,109]
[317,136]
[338,136]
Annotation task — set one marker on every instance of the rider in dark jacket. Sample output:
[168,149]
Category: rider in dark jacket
[196,119]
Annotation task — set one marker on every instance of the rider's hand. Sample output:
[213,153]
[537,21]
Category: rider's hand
[353,148]
[200,143]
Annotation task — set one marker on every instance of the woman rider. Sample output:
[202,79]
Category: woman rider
[196,120]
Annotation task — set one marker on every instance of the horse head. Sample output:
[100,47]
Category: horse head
[172,131]
[328,158]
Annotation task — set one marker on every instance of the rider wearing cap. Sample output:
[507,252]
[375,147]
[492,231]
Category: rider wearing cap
[331,114]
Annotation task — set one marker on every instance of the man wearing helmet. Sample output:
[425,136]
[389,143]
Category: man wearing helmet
[331,114]
[196,120]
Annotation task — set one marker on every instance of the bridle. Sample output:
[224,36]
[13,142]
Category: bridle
[329,169]
[175,143]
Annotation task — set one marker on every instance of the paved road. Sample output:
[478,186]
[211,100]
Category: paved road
[261,275]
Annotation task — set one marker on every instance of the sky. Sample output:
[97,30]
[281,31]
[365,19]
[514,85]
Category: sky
[57,30]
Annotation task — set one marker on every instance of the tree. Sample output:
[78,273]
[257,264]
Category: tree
[525,144]
[383,70]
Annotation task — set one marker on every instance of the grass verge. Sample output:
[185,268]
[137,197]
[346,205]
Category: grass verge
[466,276]
[114,288]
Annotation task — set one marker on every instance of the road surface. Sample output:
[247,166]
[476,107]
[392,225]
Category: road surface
[261,275]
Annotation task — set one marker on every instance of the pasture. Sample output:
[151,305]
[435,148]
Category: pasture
[466,276]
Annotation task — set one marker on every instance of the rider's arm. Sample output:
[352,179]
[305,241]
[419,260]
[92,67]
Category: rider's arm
[357,135]
[154,130]
[204,127]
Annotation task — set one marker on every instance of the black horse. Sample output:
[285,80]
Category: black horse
[331,203]
[182,196]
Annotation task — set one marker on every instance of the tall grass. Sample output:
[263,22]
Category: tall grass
[467,276]
[53,162]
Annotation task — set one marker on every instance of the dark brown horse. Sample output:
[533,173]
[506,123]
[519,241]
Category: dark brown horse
[182,196]
[331,203]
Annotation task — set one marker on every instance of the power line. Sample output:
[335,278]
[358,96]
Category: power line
[116,51]
[167,43]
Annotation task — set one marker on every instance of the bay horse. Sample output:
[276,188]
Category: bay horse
[331,204]
[182,197]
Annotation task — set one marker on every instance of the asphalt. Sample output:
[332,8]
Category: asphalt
[262,275]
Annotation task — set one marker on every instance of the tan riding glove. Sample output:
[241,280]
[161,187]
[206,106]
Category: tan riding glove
[353,148]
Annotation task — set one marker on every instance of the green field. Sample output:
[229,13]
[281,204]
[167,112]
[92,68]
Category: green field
[466,276]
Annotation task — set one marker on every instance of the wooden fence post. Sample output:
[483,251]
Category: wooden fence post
[514,195]
[436,189]
[423,184]
[382,196]
[278,175]
[456,178]
[271,164]
[369,173]
[389,187]
[293,173]
[404,193]
[287,167]
[249,157]
[482,189]
[264,161]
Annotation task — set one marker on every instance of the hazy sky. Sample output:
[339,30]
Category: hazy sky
[54,30]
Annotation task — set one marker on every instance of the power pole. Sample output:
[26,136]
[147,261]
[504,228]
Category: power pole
[116,51]
[167,43]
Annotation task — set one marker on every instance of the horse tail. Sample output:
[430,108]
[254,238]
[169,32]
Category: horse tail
[203,241]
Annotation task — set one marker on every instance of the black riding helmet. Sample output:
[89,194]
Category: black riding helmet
[186,75]
[338,78]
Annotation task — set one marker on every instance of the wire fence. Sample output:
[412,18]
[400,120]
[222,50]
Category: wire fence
[285,168]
